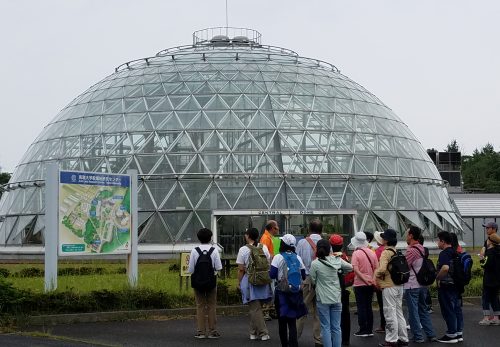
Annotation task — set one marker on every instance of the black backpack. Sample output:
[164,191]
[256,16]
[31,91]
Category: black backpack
[461,270]
[427,273]
[398,268]
[203,278]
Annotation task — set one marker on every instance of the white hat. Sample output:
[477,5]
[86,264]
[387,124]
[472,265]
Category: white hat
[377,236]
[359,240]
[289,239]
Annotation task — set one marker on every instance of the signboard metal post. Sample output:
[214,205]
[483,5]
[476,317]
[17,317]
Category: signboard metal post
[51,226]
[132,257]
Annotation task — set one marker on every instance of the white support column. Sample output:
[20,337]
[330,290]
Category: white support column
[133,256]
[51,226]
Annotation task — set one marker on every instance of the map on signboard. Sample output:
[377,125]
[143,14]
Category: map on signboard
[94,213]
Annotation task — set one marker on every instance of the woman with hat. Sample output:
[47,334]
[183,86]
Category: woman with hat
[324,274]
[392,295]
[364,262]
[289,305]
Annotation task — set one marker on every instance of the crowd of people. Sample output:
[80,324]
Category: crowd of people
[311,278]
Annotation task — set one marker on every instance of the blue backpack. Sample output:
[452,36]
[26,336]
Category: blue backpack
[292,279]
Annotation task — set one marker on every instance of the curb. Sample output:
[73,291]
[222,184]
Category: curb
[174,313]
[128,315]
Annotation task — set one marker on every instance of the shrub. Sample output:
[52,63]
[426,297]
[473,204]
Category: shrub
[174,268]
[31,272]
[4,272]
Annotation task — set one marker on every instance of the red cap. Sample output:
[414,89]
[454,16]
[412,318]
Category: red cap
[336,240]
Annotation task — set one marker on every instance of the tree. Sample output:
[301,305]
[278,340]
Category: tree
[4,178]
[481,171]
[452,147]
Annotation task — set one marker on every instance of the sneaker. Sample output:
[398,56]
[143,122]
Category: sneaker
[460,337]
[361,334]
[214,335]
[495,321]
[200,336]
[265,337]
[447,339]
[402,343]
[253,337]
[388,344]
[485,321]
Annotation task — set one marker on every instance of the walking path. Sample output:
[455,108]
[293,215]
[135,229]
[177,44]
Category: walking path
[179,332]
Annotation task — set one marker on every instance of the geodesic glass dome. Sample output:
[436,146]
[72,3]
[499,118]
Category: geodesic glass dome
[226,124]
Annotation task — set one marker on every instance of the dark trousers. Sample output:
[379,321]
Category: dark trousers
[490,300]
[287,327]
[381,308]
[451,309]
[345,317]
[364,298]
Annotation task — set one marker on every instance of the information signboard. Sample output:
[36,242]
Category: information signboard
[94,213]
[184,258]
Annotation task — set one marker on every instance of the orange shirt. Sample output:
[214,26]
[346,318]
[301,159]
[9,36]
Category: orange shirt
[267,239]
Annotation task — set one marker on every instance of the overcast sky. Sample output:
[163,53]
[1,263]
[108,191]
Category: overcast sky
[436,63]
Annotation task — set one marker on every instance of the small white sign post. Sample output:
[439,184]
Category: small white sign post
[133,257]
[51,226]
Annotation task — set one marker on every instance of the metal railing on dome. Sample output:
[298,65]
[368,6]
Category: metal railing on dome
[206,35]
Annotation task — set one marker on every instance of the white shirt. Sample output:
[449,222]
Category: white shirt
[279,263]
[243,257]
[193,258]
[305,251]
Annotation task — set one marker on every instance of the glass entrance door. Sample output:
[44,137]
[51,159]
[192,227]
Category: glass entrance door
[230,226]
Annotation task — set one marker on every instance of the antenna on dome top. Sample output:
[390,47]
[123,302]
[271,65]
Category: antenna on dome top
[227,22]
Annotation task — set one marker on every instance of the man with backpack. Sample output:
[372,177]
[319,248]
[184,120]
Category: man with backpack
[422,274]
[449,290]
[204,261]
[253,261]
[390,275]
[306,249]
[271,230]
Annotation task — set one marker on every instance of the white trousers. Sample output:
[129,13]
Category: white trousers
[395,326]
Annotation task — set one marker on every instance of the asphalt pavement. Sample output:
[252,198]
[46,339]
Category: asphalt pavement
[234,330]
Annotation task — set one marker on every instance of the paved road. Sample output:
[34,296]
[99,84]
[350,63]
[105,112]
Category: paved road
[179,332]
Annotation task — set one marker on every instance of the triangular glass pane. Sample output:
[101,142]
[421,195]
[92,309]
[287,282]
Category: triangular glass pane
[231,189]
[113,106]
[414,218]
[145,199]
[380,201]
[365,143]
[291,140]
[147,162]
[159,119]
[152,101]
[116,164]
[389,217]
[189,104]
[217,103]
[320,199]
[176,198]
[344,123]
[177,100]
[405,167]
[158,230]
[342,142]
[340,163]
[213,199]
[163,167]
[267,165]
[431,216]
[387,166]
[113,124]
[297,199]
[202,100]
[162,105]
[367,162]
[180,162]
[247,144]
[231,165]
[197,166]
[230,138]
[215,116]
[250,198]
[385,145]
[403,201]
[363,191]
[370,223]
[186,117]
[422,198]
[230,121]
[246,117]
[182,144]
[91,125]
